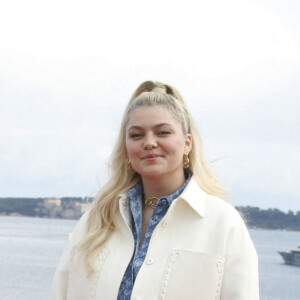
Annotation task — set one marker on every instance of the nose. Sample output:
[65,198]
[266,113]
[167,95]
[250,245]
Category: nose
[149,142]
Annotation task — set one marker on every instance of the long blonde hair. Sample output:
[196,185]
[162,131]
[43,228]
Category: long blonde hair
[101,223]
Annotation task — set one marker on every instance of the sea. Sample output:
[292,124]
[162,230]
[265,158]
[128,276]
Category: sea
[30,249]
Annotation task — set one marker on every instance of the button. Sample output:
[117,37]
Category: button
[149,261]
[165,223]
[125,202]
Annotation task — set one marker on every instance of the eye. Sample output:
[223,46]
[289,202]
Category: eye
[135,135]
[164,132]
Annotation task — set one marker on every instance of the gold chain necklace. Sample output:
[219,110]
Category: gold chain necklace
[152,201]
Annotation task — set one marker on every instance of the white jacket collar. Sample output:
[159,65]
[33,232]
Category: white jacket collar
[194,196]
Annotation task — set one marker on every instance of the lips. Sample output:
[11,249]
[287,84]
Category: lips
[151,156]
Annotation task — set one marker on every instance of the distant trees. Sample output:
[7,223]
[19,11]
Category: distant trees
[43,207]
[23,206]
[270,218]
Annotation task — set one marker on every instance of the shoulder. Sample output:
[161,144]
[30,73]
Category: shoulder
[225,215]
[235,230]
[222,208]
[217,214]
[209,206]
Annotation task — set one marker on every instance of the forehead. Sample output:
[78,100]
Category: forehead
[145,116]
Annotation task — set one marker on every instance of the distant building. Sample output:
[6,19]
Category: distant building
[52,202]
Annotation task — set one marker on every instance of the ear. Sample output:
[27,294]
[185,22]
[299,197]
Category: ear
[188,144]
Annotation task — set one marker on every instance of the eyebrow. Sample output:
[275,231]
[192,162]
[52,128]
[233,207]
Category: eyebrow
[155,126]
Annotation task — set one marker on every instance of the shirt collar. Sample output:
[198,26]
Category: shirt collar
[192,194]
[136,191]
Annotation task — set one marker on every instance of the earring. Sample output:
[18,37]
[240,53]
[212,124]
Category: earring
[186,161]
[129,166]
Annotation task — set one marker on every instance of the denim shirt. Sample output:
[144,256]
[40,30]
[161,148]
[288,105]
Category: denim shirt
[161,208]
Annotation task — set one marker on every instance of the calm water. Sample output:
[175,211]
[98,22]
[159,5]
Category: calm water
[30,249]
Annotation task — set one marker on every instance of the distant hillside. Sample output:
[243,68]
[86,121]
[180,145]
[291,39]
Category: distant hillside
[73,208]
[270,218]
[63,208]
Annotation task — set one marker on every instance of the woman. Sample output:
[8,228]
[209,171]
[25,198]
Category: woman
[159,229]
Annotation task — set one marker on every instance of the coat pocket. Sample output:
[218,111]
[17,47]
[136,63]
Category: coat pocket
[192,275]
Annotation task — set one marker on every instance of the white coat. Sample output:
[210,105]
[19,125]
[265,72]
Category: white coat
[201,249]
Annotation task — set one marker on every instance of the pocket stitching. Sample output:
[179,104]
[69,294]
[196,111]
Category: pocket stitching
[172,259]
[100,260]
[220,270]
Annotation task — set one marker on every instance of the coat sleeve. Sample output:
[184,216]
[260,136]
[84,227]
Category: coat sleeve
[240,275]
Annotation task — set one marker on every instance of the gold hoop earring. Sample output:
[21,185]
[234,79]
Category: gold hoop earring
[186,161]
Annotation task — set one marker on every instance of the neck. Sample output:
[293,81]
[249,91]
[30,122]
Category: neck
[163,185]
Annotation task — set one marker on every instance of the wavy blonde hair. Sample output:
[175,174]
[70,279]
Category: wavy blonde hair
[101,223]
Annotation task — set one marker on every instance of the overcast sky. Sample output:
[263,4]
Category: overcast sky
[68,68]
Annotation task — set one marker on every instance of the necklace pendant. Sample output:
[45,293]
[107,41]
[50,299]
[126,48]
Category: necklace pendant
[152,201]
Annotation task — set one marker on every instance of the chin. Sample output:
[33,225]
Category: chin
[151,173]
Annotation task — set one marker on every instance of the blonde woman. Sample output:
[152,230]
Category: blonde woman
[160,228]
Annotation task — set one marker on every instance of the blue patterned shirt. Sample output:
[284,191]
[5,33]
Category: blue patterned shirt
[161,208]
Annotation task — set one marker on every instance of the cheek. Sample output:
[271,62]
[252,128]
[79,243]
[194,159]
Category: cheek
[132,150]
[176,147]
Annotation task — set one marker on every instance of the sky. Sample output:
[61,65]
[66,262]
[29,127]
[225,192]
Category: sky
[68,69]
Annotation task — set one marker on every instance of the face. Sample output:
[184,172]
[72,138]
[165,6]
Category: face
[155,142]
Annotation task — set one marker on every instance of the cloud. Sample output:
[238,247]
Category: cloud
[69,68]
